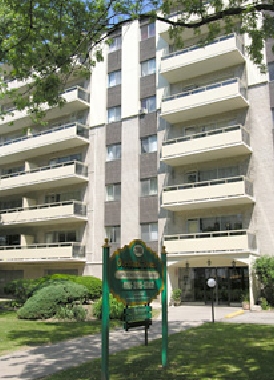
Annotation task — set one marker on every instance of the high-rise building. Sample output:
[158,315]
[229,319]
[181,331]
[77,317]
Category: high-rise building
[174,147]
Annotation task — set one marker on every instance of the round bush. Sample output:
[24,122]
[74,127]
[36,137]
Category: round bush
[22,289]
[46,302]
[116,308]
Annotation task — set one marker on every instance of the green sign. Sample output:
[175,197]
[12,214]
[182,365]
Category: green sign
[135,274]
[138,313]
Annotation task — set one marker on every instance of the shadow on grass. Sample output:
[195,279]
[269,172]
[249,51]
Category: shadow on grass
[220,351]
[39,333]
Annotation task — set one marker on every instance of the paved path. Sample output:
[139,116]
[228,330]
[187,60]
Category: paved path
[41,361]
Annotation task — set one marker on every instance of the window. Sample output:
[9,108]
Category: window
[71,157]
[113,234]
[149,232]
[115,44]
[114,78]
[63,197]
[271,71]
[148,67]
[148,104]
[61,236]
[221,223]
[11,204]
[149,144]
[114,114]
[13,170]
[113,192]
[148,187]
[147,31]
[113,152]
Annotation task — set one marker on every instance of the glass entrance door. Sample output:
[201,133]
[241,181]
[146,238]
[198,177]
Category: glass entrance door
[222,289]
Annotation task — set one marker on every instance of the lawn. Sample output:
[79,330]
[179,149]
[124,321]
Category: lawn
[17,333]
[223,351]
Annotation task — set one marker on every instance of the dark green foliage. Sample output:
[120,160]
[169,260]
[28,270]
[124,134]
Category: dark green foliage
[71,311]
[93,284]
[46,302]
[264,267]
[23,289]
[116,308]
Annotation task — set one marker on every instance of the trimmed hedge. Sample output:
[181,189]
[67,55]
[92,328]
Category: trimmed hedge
[46,303]
[23,289]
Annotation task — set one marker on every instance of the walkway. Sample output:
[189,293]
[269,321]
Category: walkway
[41,361]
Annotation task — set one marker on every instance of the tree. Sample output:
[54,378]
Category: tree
[264,267]
[47,41]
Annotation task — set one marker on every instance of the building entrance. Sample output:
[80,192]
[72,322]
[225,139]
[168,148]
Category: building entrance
[232,282]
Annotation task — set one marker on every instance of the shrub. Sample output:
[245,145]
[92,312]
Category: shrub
[23,289]
[71,311]
[46,302]
[93,284]
[116,308]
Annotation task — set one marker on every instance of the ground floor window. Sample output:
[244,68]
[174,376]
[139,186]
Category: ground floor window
[232,282]
[7,276]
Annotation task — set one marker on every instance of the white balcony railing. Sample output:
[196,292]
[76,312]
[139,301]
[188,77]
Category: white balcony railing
[207,100]
[65,211]
[218,192]
[215,242]
[76,99]
[64,136]
[43,252]
[197,60]
[65,173]
[219,143]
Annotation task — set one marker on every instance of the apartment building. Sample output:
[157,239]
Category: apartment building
[217,145]
[173,147]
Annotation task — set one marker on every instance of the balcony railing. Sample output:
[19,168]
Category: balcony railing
[214,144]
[80,169]
[81,93]
[213,182]
[211,132]
[218,192]
[196,47]
[42,251]
[76,98]
[214,98]
[202,89]
[211,242]
[82,131]
[79,208]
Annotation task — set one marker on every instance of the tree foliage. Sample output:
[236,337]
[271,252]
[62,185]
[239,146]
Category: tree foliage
[51,40]
[264,267]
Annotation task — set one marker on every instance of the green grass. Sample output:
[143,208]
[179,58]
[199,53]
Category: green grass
[17,333]
[223,351]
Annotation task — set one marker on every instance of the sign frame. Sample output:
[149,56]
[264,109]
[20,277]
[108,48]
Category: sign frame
[136,274]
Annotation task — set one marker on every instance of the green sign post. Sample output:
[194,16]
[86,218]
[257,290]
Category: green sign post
[135,275]
[105,314]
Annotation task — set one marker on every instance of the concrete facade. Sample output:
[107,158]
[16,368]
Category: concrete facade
[175,148]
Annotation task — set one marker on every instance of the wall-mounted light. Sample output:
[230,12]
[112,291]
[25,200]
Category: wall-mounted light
[187,265]
[233,264]
[208,262]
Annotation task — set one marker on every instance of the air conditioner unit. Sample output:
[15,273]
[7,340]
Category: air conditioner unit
[143,111]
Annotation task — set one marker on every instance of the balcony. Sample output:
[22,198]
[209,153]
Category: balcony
[216,144]
[215,98]
[59,138]
[76,99]
[65,251]
[48,213]
[45,177]
[214,193]
[220,242]
[197,60]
